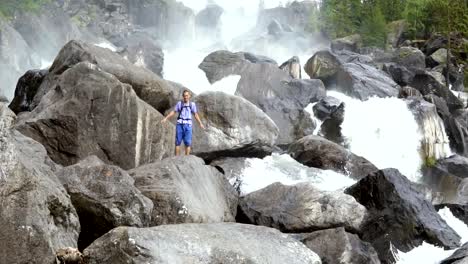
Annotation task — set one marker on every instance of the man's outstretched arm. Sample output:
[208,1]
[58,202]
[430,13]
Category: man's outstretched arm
[199,121]
[168,116]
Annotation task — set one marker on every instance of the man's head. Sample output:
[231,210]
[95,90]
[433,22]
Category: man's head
[186,96]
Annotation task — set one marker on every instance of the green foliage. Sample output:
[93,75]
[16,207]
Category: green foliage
[340,18]
[447,16]
[392,9]
[9,7]
[415,15]
[373,28]
[429,16]
[430,161]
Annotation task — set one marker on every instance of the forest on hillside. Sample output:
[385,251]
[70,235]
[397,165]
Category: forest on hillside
[338,18]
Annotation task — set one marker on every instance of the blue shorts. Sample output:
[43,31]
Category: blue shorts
[183,132]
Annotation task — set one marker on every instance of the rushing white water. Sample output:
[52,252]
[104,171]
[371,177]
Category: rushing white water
[318,122]
[435,142]
[260,173]
[429,254]
[106,45]
[384,131]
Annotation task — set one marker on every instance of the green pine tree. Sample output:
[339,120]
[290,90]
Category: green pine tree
[373,28]
[340,18]
[416,15]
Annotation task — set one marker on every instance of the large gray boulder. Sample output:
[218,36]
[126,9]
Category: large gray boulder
[185,190]
[456,165]
[234,128]
[409,57]
[323,65]
[351,43]
[281,97]
[222,63]
[338,246]
[363,81]
[400,74]
[147,85]
[90,112]
[36,215]
[401,218]
[301,208]
[105,197]
[318,152]
[293,67]
[227,243]
[428,84]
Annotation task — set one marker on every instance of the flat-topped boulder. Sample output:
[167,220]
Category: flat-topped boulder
[363,81]
[301,208]
[318,152]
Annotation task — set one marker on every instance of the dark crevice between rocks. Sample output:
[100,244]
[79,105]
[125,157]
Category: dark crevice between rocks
[251,151]
[92,227]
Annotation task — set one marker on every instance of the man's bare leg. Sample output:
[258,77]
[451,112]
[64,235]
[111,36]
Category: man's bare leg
[187,150]
[177,150]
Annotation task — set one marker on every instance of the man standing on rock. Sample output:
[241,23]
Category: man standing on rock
[185,108]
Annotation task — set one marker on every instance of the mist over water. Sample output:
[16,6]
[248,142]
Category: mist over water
[238,19]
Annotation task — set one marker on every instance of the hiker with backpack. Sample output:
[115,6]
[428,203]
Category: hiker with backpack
[185,108]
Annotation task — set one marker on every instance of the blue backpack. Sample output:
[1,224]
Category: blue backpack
[182,106]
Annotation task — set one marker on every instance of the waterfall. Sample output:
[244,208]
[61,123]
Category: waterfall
[384,131]
[434,142]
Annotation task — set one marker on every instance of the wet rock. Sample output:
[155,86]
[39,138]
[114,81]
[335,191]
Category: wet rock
[105,197]
[400,216]
[300,208]
[234,128]
[363,81]
[228,243]
[338,246]
[318,152]
[185,190]
[26,89]
[90,112]
[36,214]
